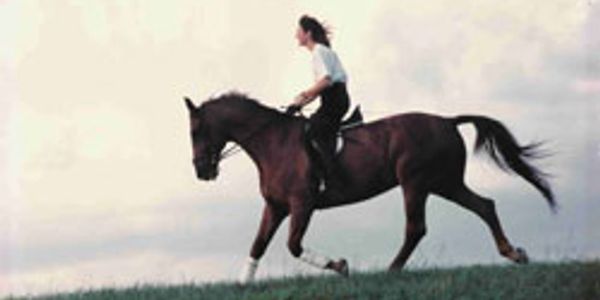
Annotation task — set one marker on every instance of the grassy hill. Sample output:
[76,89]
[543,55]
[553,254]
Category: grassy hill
[572,280]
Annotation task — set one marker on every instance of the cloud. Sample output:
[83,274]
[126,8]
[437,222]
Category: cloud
[589,87]
[145,267]
[103,150]
[465,50]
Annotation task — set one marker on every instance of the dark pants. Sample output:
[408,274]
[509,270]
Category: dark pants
[325,122]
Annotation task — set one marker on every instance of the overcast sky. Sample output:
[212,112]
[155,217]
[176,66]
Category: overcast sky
[97,186]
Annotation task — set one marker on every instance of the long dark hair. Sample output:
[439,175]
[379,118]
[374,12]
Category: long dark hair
[319,33]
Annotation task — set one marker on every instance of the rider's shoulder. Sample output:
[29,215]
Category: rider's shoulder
[322,49]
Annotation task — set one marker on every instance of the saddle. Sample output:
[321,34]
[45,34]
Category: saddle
[355,119]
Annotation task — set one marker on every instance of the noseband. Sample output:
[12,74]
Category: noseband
[213,158]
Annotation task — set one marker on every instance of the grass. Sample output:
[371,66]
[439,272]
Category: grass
[568,280]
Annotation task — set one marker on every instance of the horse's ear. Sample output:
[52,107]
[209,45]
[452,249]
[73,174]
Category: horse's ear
[189,104]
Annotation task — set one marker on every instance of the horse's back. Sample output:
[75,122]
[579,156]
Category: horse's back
[415,126]
[424,132]
[405,143]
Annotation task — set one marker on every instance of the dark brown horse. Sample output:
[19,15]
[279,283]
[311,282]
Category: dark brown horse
[423,153]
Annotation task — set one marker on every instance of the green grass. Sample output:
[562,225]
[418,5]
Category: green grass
[569,280]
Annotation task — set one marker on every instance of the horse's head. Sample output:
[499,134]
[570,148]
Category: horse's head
[207,142]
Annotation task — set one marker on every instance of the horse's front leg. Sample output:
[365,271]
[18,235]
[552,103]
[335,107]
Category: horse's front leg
[300,215]
[271,219]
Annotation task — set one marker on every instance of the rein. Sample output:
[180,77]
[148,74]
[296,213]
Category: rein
[235,148]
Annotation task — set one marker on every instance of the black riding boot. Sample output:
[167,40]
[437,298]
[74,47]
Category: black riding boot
[324,125]
[333,176]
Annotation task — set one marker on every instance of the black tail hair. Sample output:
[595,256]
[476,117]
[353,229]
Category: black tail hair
[502,147]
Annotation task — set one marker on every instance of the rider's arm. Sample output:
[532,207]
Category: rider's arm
[312,93]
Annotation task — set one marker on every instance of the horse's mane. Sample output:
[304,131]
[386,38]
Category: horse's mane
[238,98]
[232,94]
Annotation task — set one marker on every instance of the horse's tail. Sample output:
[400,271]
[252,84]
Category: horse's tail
[503,148]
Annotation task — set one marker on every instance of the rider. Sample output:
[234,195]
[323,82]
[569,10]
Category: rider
[330,86]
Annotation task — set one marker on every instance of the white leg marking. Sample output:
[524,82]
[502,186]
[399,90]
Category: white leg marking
[312,258]
[248,271]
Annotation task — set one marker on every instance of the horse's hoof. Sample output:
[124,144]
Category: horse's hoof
[521,256]
[394,269]
[341,267]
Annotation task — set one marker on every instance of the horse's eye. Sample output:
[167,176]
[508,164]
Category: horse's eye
[198,134]
[196,130]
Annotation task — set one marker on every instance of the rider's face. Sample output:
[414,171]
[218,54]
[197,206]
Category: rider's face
[302,36]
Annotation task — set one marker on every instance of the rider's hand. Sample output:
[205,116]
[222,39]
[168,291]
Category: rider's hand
[292,109]
[300,98]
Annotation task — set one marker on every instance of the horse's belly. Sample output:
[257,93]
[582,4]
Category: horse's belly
[353,195]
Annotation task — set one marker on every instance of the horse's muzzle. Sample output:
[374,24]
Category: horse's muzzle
[205,171]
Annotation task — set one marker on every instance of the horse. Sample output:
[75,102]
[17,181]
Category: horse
[422,153]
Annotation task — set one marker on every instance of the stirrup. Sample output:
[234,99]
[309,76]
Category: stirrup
[322,186]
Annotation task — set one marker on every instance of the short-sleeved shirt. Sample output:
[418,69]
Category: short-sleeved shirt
[326,63]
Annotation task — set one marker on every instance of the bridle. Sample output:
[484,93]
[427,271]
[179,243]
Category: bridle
[235,148]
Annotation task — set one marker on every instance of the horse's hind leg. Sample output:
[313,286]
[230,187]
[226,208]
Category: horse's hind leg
[414,202]
[485,208]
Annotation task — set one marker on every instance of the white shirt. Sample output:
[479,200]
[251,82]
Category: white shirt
[326,63]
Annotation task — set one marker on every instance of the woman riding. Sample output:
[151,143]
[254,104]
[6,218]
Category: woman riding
[330,86]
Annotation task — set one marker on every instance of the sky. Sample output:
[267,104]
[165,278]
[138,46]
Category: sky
[96,182]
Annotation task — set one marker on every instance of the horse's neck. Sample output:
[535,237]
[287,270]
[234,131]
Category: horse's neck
[252,131]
